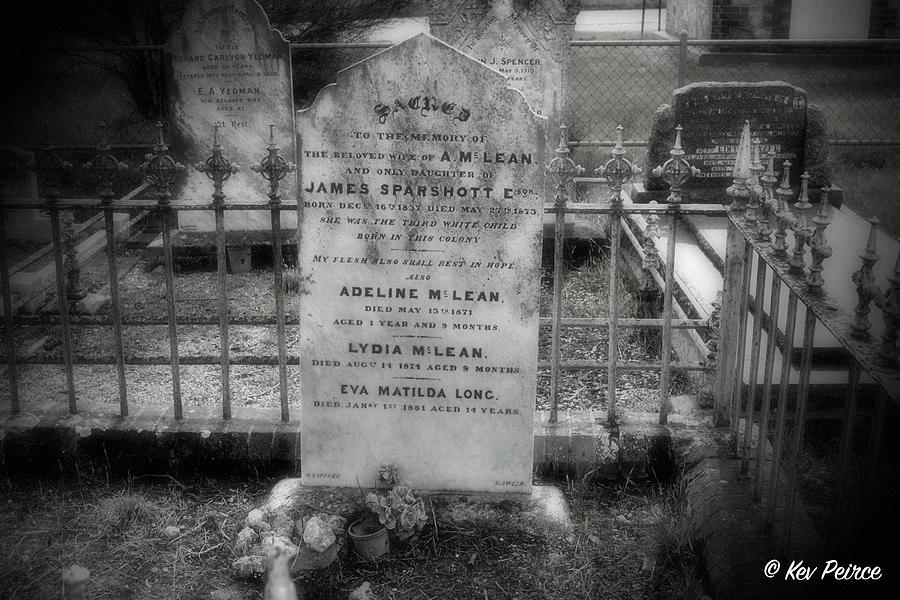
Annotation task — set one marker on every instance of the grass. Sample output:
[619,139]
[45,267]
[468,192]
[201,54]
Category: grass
[585,293]
[617,548]
[114,529]
[127,509]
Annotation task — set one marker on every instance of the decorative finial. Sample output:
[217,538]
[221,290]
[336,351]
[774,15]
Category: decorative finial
[766,201]
[743,158]
[889,303]
[783,217]
[676,170]
[217,168]
[617,170]
[866,288]
[160,168]
[819,245]
[756,189]
[800,227]
[739,190]
[105,168]
[273,167]
[563,169]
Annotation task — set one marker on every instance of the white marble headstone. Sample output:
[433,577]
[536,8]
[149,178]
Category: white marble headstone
[526,41]
[420,253]
[228,66]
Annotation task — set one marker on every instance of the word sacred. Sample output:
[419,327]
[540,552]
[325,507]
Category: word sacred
[424,105]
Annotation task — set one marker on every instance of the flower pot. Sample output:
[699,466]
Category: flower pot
[369,544]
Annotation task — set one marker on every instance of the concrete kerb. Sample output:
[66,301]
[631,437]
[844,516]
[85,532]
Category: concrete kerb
[579,444]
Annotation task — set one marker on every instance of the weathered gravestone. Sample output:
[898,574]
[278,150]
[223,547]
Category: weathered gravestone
[228,67]
[528,41]
[712,116]
[420,246]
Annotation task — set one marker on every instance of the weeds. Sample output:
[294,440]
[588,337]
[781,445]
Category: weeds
[126,509]
[675,539]
[290,279]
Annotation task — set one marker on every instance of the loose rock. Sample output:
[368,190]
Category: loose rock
[248,567]
[171,532]
[283,525]
[308,559]
[363,592]
[246,537]
[257,520]
[318,533]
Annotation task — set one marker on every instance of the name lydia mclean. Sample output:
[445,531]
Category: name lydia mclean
[395,349]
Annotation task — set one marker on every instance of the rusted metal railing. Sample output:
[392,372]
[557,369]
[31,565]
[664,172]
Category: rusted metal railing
[777,456]
[616,172]
[160,170]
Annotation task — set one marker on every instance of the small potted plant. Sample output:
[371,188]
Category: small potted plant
[399,510]
[370,537]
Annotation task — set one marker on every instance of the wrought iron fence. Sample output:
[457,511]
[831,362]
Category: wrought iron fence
[777,244]
[161,171]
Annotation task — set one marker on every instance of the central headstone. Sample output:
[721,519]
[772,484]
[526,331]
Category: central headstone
[227,66]
[420,240]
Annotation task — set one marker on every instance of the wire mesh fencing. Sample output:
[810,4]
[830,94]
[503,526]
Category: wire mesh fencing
[69,91]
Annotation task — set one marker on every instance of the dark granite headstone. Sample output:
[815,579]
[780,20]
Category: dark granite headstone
[712,115]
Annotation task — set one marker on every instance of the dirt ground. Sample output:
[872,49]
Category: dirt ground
[629,541]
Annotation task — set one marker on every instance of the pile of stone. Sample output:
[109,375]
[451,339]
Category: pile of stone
[292,522]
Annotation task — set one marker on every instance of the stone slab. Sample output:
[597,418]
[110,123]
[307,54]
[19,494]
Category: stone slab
[712,115]
[420,246]
[227,66]
[526,41]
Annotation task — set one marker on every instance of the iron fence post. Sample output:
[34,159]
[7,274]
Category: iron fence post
[106,168]
[8,322]
[219,169]
[160,170]
[273,168]
[617,171]
[562,170]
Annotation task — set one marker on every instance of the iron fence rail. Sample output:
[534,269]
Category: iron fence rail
[161,169]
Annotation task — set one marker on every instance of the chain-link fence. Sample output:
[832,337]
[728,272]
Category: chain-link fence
[857,84]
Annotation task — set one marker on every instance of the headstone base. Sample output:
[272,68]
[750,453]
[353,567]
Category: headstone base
[188,246]
[544,506]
